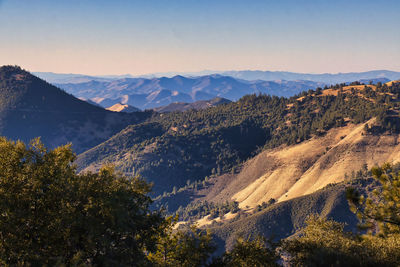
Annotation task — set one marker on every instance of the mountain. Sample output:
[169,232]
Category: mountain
[175,150]
[157,92]
[201,104]
[31,107]
[122,108]
[328,78]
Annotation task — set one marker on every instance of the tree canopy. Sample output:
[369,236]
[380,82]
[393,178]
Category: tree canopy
[52,215]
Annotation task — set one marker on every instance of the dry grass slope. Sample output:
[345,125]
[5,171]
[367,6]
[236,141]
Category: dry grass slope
[289,172]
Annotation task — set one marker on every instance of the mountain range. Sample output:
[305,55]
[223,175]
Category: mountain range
[267,161]
[148,93]
[250,75]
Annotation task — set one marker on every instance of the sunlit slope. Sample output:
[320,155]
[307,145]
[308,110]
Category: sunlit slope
[291,171]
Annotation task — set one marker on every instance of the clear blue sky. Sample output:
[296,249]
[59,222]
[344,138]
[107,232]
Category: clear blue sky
[137,37]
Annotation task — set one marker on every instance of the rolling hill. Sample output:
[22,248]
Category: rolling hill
[31,107]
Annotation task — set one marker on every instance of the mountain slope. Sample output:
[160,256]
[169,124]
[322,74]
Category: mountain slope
[30,107]
[288,172]
[285,219]
[176,149]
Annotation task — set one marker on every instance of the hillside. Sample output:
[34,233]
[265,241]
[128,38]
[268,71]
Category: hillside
[151,93]
[288,172]
[285,219]
[176,149]
[201,104]
[30,107]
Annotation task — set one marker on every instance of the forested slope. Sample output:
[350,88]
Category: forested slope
[177,148]
[30,107]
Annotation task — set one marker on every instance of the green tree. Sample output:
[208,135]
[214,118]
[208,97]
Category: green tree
[186,248]
[52,215]
[250,253]
[325,243]
[382,208]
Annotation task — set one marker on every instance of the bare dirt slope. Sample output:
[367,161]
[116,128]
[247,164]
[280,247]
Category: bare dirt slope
[288,172]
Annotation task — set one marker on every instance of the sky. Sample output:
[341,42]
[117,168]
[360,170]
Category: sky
[98,37]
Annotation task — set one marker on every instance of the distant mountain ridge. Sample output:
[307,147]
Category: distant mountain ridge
[250,75]
[151,93]
[53,78]
[328,78]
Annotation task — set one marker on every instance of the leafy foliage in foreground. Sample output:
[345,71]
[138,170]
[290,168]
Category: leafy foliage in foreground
[51,215]
[186,248]
[249,253]
[325,243]
[381,211]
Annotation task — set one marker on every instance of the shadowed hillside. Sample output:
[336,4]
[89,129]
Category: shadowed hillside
[284,219]
[30,107]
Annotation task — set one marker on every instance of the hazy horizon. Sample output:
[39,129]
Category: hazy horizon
[200,71]
[141,38]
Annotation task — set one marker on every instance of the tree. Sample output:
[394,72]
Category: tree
[248,253]
[52,215]
[382,209]
[325,243]
[186,248]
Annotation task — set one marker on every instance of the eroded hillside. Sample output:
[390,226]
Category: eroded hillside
[288,172]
